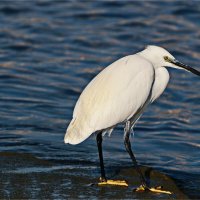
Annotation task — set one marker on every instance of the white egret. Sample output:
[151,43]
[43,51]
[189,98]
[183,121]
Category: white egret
[119,94]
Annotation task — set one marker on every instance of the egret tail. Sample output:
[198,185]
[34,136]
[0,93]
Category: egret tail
[76,133]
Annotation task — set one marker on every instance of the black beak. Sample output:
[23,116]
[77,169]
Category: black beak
[186,67]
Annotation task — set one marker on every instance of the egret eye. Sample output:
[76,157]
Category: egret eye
[166,58]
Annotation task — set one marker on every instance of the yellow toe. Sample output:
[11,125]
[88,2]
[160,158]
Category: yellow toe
[114,182]
[140,189]
[156,190]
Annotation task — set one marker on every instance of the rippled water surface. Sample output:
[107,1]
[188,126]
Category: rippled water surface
[49,51]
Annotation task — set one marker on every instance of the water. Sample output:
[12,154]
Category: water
[49,52]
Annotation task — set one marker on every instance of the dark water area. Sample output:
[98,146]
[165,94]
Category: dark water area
[49,51]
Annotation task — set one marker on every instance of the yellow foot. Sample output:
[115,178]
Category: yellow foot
[156,190]
[114,182]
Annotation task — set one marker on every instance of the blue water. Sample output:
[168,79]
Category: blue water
[50,50]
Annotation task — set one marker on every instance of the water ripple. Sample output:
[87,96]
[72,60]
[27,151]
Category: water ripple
[51,50]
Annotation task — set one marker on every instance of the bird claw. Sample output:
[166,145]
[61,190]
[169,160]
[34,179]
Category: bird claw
[157,189]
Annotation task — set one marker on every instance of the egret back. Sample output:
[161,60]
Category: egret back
[112,97]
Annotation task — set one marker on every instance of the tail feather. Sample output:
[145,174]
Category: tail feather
[75,133]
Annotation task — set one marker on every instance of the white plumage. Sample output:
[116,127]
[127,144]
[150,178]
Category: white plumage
[120,92]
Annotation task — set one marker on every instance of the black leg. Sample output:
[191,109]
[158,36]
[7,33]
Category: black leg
[129,150]
[99,145]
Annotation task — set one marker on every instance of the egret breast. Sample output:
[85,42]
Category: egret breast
[160,83]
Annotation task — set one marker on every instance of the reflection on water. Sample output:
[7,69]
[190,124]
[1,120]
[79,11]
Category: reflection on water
[51,50]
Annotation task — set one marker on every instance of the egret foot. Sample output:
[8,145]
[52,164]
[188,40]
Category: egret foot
[156,189]
[113,182]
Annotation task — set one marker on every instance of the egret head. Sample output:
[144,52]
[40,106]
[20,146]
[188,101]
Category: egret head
[160,57]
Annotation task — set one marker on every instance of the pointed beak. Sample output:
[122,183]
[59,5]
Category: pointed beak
[186,67]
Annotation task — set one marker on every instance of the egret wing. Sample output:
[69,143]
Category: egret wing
[115,94]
